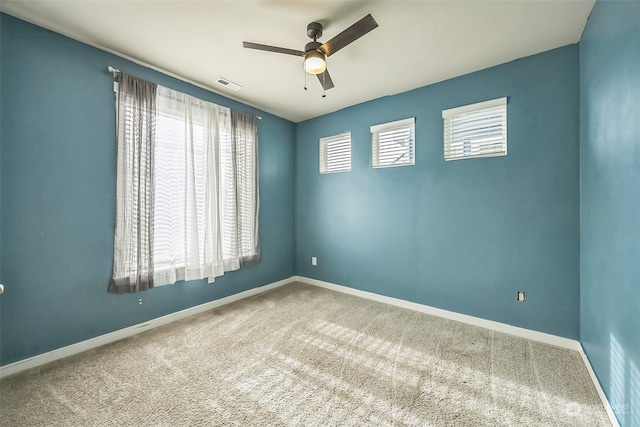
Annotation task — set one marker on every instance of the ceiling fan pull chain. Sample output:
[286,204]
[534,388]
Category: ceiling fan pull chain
[324,80]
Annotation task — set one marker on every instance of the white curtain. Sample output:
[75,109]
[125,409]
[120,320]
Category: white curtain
[133,253]
[188,227]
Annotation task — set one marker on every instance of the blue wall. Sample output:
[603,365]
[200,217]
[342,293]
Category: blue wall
[610,202]
[58,197]
[462,235]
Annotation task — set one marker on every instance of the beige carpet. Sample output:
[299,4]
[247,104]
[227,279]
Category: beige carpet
[305,356]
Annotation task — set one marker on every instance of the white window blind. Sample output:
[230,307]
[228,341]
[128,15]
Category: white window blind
[476,130]
[393,143]
[335,153]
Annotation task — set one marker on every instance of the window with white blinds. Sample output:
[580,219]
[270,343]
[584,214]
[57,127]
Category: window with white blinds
[206,201]
[190,134]
[393,143]
[476,130]
[335,153]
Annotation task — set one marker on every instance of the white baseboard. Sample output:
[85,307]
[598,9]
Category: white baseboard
[471,320]
[476,321]
[41,359]
[596,383]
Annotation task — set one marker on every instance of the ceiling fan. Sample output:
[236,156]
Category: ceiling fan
[315,53]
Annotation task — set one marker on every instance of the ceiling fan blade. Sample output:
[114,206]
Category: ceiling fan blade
[275,49]
[349,35]
[325,80]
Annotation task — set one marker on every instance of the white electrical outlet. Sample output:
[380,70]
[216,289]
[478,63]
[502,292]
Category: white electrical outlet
[314,260]
[521,296]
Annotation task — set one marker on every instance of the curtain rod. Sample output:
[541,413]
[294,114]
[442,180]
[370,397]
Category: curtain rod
[113,71]
[116,72]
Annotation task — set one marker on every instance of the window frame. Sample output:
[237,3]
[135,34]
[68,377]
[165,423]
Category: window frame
[324,161]
[494,111]
[397,125]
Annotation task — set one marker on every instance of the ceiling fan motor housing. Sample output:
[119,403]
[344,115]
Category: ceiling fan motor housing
[312,46]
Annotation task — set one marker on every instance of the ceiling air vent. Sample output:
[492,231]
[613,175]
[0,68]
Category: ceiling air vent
[228,84]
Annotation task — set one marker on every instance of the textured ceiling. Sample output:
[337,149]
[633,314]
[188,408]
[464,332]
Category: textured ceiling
[417,42]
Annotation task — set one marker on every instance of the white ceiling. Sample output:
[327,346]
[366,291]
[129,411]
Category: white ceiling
[417,42]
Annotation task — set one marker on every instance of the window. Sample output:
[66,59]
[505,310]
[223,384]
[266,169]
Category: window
[477,130]
[192,136]
[393,144]
[187,202]
[335,153]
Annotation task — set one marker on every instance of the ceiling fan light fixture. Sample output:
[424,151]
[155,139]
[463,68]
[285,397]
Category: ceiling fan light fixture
[314,62]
